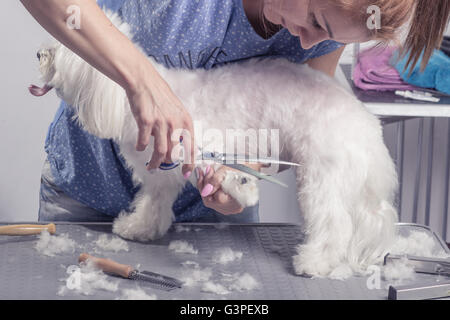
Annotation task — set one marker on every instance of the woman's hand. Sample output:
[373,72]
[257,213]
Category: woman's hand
[213,196]
[158,112]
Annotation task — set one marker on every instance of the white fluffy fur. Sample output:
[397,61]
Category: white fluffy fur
[347,181]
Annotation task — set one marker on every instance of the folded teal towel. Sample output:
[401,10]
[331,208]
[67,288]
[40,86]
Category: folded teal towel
[436,75]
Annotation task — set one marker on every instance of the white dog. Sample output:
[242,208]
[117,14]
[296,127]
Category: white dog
[346,182]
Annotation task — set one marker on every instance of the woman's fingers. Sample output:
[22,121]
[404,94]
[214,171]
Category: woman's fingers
[212,195]
[213,182]
[203,185]
[144,132]
[170,145]
[142,113]
[221,197]
[222,203]
[200,178]
[189,146]
[160,146]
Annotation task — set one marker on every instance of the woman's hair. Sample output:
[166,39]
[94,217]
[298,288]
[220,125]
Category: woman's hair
[428,22]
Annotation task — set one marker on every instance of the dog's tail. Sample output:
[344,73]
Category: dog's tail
[374,221]
[374,235]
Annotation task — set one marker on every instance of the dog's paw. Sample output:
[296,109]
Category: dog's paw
[129,227]
[242,187]
[310,268]
[319,263]
[124,227]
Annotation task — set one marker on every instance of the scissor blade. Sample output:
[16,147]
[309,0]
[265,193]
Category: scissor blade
[255,173]
[227,158]
[233,158]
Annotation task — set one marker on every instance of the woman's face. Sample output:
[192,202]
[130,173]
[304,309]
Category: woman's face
[314,21]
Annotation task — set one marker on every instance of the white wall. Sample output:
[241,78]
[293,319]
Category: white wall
[24,119]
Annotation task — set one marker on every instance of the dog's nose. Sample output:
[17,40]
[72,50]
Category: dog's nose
[39,55]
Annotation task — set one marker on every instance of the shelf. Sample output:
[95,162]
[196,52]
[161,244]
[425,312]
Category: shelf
[387,104]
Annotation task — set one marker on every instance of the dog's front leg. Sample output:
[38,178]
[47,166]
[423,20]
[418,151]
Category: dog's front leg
[152,213]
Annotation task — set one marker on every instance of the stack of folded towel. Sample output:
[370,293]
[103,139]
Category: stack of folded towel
[374,72]
[383,69]
[436,74]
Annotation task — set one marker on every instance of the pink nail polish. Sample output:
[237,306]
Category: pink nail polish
[207,190]
[207,169]
[187,174]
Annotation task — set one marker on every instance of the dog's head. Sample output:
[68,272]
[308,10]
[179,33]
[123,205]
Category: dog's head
[46,57]
[99,104]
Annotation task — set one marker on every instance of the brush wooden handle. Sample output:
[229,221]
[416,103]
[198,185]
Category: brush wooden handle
[107,265]
[26,229]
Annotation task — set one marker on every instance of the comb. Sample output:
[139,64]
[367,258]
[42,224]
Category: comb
[155,280]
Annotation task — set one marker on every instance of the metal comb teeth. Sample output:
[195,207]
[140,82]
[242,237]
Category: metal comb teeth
[155,279]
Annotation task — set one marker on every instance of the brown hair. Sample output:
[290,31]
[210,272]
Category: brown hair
[427,29]
[428,21]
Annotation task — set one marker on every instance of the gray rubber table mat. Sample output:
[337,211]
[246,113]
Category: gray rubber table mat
[267,256]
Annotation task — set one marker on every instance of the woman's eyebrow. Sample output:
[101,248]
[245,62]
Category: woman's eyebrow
[330,33]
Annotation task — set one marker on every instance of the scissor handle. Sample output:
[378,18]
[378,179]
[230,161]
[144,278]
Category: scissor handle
[169,166]
[213,156]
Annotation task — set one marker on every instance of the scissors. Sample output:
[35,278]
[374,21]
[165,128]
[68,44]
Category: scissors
[232,161]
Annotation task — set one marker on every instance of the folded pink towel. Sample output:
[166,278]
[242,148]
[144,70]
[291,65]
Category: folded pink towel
[373,71]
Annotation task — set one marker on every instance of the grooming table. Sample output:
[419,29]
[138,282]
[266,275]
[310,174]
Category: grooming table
[267,256]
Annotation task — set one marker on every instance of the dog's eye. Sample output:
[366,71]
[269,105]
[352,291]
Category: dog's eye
[39,56]
[244,181]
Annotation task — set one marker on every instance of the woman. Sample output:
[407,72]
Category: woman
[84,179]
